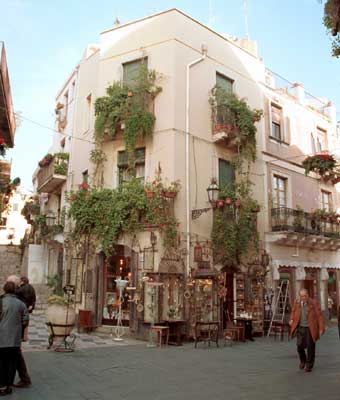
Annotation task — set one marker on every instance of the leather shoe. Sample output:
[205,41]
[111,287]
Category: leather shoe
[22,384]
[308,369]
[302,365]
[6,391]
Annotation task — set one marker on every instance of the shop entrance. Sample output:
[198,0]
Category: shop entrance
[227,300]
[310,282]
[116,266]
[332,292]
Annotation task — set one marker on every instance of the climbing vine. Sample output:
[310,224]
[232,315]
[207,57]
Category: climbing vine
[127,107]
[105,213]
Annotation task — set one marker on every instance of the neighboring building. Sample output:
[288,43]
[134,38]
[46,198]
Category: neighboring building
[13,224]
[177,46]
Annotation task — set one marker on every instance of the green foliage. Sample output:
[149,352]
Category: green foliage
[61,163]
[320,164]
[241,117]
[97,156]
[331,20]
[128,104]
[234,228]
[104,213]
[55,283]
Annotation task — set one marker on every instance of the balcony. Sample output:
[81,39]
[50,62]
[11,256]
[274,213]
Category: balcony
[291,227]
[224,129]
[52,176]
[7,119]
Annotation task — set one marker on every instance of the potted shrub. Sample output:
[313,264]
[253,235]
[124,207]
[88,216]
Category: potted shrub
[57,312]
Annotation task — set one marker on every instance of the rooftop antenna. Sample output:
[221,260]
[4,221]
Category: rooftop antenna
[116,22]
[245,7]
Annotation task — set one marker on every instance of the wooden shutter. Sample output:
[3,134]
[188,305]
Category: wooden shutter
[226,173]
[224,83]
[276,114]
[131,70]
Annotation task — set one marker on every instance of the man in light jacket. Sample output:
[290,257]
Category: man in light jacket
[14,315]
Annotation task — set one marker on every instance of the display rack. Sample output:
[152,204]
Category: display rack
[258,306]
[240,294]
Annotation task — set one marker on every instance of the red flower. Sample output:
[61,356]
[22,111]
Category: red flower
[84,186]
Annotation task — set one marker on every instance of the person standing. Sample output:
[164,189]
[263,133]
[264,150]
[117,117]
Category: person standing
[307,322]
[25,379]
[330,304]
[26,293]
[13,316]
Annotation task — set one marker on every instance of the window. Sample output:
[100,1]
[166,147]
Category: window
[319,145]
[226,173]
[88,112]
[131,70]
[313,144]
[321,139]
[64,110]
[15,207]
[326,200]
[123,173]
[224,83]
[276,113]
[279,191]
[85,175]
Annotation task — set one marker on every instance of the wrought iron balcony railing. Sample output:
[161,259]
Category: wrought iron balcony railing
[288,219]
[224,120]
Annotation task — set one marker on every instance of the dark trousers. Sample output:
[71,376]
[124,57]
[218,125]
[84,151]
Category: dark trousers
[305,341]
[21,368]
[8,360]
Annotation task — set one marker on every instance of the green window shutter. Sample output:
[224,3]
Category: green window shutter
[131,70]
[226,173]
[224,83]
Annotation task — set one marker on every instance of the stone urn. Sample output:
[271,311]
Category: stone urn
[58,313]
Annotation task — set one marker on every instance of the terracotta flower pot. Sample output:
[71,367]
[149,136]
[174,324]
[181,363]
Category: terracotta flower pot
[56,315]
[237,203]
[228,201]
[149,194]
[220,203]
[169,195]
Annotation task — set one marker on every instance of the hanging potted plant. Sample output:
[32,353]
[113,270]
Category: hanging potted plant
[171,191]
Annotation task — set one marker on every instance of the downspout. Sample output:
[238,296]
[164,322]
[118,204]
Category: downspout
[187,152]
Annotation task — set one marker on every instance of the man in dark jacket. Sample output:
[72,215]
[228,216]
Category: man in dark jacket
[26,293]
[25,379]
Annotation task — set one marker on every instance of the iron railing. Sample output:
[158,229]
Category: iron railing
[223,118]
[288,219]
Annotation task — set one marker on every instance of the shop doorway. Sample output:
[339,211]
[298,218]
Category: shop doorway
[311,282]
[116,266]
[228,300]
[332,293]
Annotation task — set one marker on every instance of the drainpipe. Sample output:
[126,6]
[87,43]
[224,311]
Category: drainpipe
[187,150]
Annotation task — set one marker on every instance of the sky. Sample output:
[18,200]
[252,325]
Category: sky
[44,41]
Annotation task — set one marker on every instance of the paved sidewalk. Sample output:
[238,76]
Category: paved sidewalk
[38,336]
[260,370]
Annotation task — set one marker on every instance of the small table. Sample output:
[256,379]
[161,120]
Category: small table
[160,330]
[175,327]
[248,327]
[209,332]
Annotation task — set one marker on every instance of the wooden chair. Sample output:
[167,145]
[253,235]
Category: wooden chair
[162,332]
[230,334]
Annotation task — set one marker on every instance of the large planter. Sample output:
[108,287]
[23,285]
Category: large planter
[56,314]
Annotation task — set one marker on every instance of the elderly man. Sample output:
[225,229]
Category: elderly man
[25,379]
[307,322]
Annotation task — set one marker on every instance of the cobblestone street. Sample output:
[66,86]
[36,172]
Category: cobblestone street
[264,369]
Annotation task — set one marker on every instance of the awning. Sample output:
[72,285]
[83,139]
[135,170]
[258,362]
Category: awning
[304,264]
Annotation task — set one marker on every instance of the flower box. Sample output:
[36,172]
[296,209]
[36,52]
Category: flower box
[169,195]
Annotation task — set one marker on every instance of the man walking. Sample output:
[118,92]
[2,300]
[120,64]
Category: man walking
[307,322]
[26,293]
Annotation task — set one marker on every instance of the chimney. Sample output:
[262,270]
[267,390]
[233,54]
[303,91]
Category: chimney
[299,93]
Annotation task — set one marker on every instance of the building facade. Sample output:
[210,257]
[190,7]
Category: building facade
[191,143]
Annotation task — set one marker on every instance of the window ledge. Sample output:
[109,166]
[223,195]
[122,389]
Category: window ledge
[278,141]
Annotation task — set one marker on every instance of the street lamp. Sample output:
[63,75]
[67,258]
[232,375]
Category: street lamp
[213,191]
